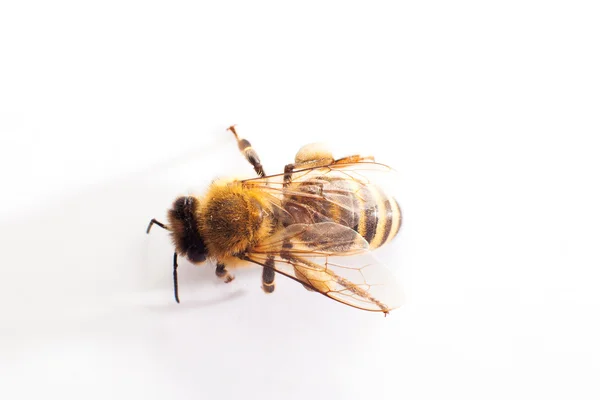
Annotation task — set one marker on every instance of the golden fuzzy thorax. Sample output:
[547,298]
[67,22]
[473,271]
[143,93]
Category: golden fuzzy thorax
[232,219]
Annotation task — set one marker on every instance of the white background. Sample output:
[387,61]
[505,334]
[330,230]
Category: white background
[488,110]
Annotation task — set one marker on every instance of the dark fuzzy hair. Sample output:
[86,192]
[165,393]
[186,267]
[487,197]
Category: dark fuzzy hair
[184,226]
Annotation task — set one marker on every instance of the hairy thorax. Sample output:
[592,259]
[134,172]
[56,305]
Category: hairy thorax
[233,219]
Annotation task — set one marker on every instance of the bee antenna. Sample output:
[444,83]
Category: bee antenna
[175,284]
[154,221]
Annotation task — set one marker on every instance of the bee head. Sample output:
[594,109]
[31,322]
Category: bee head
[183,223]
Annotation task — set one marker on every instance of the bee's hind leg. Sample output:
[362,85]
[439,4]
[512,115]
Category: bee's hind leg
[317,155]
[222,273]
[248,152]
[309,156]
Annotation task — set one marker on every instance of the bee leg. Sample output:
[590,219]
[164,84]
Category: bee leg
[313,155]
[268,276]
[309,156]
[248,152]
[290,168]
[152,222]
[222,273]
[287,174]
[303,279]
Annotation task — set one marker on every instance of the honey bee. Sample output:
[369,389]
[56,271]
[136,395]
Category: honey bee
[315,223]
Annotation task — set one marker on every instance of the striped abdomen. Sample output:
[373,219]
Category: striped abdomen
[367,209]
[380,222]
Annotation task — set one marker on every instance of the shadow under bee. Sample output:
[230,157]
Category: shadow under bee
[194,304]
[84,248]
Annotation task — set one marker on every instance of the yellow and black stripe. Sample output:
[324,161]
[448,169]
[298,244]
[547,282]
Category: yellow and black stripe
[379,218]
[367,209]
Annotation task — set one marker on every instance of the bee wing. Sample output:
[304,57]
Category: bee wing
[312,193]
[318,256]
[360,171]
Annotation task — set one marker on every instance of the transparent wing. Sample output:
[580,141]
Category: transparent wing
[333,260]
[360,171]
[338,192]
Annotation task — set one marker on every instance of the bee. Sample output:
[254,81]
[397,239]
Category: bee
[315,223]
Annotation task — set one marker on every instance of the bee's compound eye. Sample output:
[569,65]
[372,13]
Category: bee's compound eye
[196,255]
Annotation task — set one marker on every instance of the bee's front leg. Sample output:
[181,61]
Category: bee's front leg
[222,273]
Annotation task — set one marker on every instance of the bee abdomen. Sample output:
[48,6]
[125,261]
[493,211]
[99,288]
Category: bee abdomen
[367,209]
[380,218]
